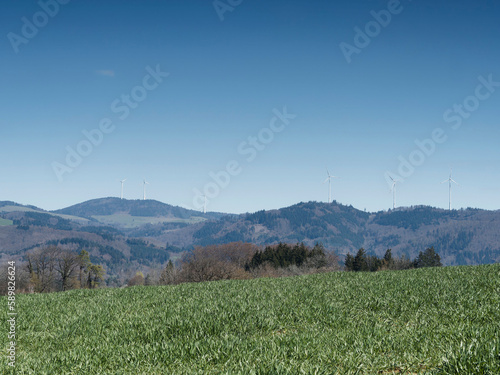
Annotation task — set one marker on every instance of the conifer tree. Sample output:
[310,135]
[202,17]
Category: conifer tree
[360,263]
[349,262]
[428,258]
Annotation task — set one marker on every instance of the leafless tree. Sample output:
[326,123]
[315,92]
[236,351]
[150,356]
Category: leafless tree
[217,262]
[68,262]
[22,278]
[42,268]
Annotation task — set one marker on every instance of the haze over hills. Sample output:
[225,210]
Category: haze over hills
[123,234]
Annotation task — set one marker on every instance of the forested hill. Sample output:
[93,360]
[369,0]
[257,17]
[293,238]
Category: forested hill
[468,236]
[144,208]
[19,206]
[332,224]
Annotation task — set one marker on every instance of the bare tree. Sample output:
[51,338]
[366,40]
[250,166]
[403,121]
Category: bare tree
[22,278]
[41,266]
[217,262]
[169,275]
[138,279]
[54,269]
[68,262]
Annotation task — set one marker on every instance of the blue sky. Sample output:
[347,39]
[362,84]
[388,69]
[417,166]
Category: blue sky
[229,73]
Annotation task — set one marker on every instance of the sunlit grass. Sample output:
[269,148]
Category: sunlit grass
[5,222]
[441,320]
[129,221]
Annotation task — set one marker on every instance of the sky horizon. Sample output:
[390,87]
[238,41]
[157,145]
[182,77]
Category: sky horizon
[251,103]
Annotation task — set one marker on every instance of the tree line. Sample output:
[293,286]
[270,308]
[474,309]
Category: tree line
[238,261]
[52,269]
[362,262]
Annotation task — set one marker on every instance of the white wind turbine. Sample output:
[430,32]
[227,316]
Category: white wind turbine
[122,181]
[144,190]
[329,179]
[393,188]
[450,180]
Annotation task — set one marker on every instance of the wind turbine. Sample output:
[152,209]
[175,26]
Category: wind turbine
[393,188]
[205,204]
[144,190]
[329,179]
[450,180]
[122,181]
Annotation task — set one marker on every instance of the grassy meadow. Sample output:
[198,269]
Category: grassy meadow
[129,221]
[434,320]
[5,222]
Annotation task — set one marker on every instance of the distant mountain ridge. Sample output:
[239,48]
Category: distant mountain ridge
[113,225]
[151,208]
[331,224]
[469,236]
[10,203]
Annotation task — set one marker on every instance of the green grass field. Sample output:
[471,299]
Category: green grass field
[437,321]
[27,209]
[129,221]
[5,222]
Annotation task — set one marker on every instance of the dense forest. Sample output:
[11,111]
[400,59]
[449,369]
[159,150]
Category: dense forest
[364,262]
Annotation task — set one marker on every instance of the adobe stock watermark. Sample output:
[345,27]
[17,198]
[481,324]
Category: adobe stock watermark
[122,108]
[372,29]
[12,313]
[223,6]
[32,25]
[454,116]
[249,149]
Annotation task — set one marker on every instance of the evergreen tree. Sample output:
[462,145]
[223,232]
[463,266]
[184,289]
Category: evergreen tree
[360,263]
[317,256]
[428,258]
[284,255]
[388,257]
[168,274]
[373,263]
[349,262]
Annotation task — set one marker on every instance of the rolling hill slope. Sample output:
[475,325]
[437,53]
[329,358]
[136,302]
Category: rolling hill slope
[461,237]
[137,208]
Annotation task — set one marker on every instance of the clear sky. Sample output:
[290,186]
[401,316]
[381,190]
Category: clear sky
[356,84]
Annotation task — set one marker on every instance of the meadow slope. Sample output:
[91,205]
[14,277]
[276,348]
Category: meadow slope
[439,321]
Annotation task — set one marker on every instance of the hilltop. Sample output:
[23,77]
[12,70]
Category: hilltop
[104,209]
